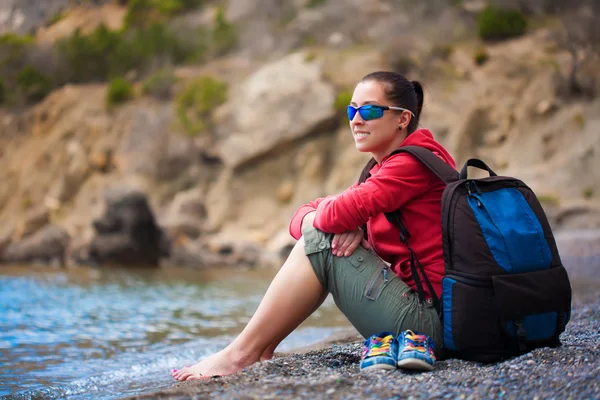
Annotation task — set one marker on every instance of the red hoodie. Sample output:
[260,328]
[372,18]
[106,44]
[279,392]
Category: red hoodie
[398,182]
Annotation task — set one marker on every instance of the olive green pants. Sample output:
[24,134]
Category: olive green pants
[368,292]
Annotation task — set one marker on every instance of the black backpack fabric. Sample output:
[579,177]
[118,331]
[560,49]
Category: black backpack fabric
[504,290]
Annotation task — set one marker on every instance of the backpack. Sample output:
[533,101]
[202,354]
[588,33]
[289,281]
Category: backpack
[505,291]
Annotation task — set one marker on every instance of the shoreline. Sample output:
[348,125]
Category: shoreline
[568,371]
[330,369]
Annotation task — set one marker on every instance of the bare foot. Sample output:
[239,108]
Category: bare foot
[268,353]
[222,363]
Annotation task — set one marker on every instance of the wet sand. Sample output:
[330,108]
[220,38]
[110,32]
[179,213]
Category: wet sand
[569,371]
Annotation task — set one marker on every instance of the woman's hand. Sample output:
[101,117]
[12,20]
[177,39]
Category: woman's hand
[344,244]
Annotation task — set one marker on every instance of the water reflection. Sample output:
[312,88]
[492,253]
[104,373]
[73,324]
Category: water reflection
[58,327]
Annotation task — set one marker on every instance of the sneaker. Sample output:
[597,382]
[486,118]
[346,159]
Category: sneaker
[380,352]
[415,351]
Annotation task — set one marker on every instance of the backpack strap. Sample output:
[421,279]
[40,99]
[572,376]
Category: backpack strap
[448,175]
[395,218]
[435,164]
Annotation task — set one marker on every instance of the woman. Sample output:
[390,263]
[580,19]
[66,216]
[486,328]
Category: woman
[332,255]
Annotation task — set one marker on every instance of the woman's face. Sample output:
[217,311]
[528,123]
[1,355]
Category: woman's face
[377,136]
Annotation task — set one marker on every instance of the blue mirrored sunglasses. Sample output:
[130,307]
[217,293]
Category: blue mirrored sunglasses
[371,111]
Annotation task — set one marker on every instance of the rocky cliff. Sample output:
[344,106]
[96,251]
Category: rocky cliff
[225,196]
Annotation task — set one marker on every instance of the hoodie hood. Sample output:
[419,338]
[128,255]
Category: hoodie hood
[424,138]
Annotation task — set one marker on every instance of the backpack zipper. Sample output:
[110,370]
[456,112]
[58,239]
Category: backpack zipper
[471,189]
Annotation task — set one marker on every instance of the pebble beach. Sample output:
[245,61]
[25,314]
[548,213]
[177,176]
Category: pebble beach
[571,371]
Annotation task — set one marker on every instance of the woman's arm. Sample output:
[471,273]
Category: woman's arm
[401,179]
[295,227]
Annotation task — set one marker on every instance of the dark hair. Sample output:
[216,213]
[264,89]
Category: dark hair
[401,93]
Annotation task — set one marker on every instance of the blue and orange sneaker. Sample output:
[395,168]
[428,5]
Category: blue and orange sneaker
[380,352]
[415,351]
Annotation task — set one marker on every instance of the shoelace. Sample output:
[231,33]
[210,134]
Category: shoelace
[416,342]
[379,346]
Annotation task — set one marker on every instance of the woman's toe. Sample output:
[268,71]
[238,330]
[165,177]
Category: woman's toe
[194,377]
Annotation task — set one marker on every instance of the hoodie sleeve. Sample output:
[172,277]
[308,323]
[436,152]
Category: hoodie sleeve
[400,179]
[295,227]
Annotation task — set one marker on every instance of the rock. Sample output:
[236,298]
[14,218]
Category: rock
[21,17]
[102,160]
[577,216]
[186,215]
[294,108]
[285,192]
[127,233]
[143,147]
[77,171]
[5,240]
[216,253]
[473,6]
[545,107]
[219,201]
[33,221]
[45,246]
[335,39]
[281,244]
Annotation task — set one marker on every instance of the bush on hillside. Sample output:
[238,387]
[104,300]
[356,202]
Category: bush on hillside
[147,43]
[480,56]
[497,24]
[91,57]
[105,53]
[2,92]
[197,102]
[34,85]
[119,91]
[144,13]
[224,34]
[13,48]
[155,46]
[159,84]
[27,71]
[342,100]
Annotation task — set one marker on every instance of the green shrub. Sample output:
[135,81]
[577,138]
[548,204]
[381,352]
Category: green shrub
[174,7]
[91,57]
[224,34]
[34,84]
[588,193]
[159,84]
[144,13]
[497,24]
[442,51]
[140,14]
[342,100]
[104,53]
[119,91]
[579,120]
[56,18]
[480,56]
[2,92]
[314,3]
[549,199]
[153,45]
[13,48]
[195,104]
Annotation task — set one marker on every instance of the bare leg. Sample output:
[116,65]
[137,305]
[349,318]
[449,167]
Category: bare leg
[294,293]
[268,354]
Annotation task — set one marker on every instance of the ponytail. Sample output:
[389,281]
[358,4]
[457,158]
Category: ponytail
[414,122]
